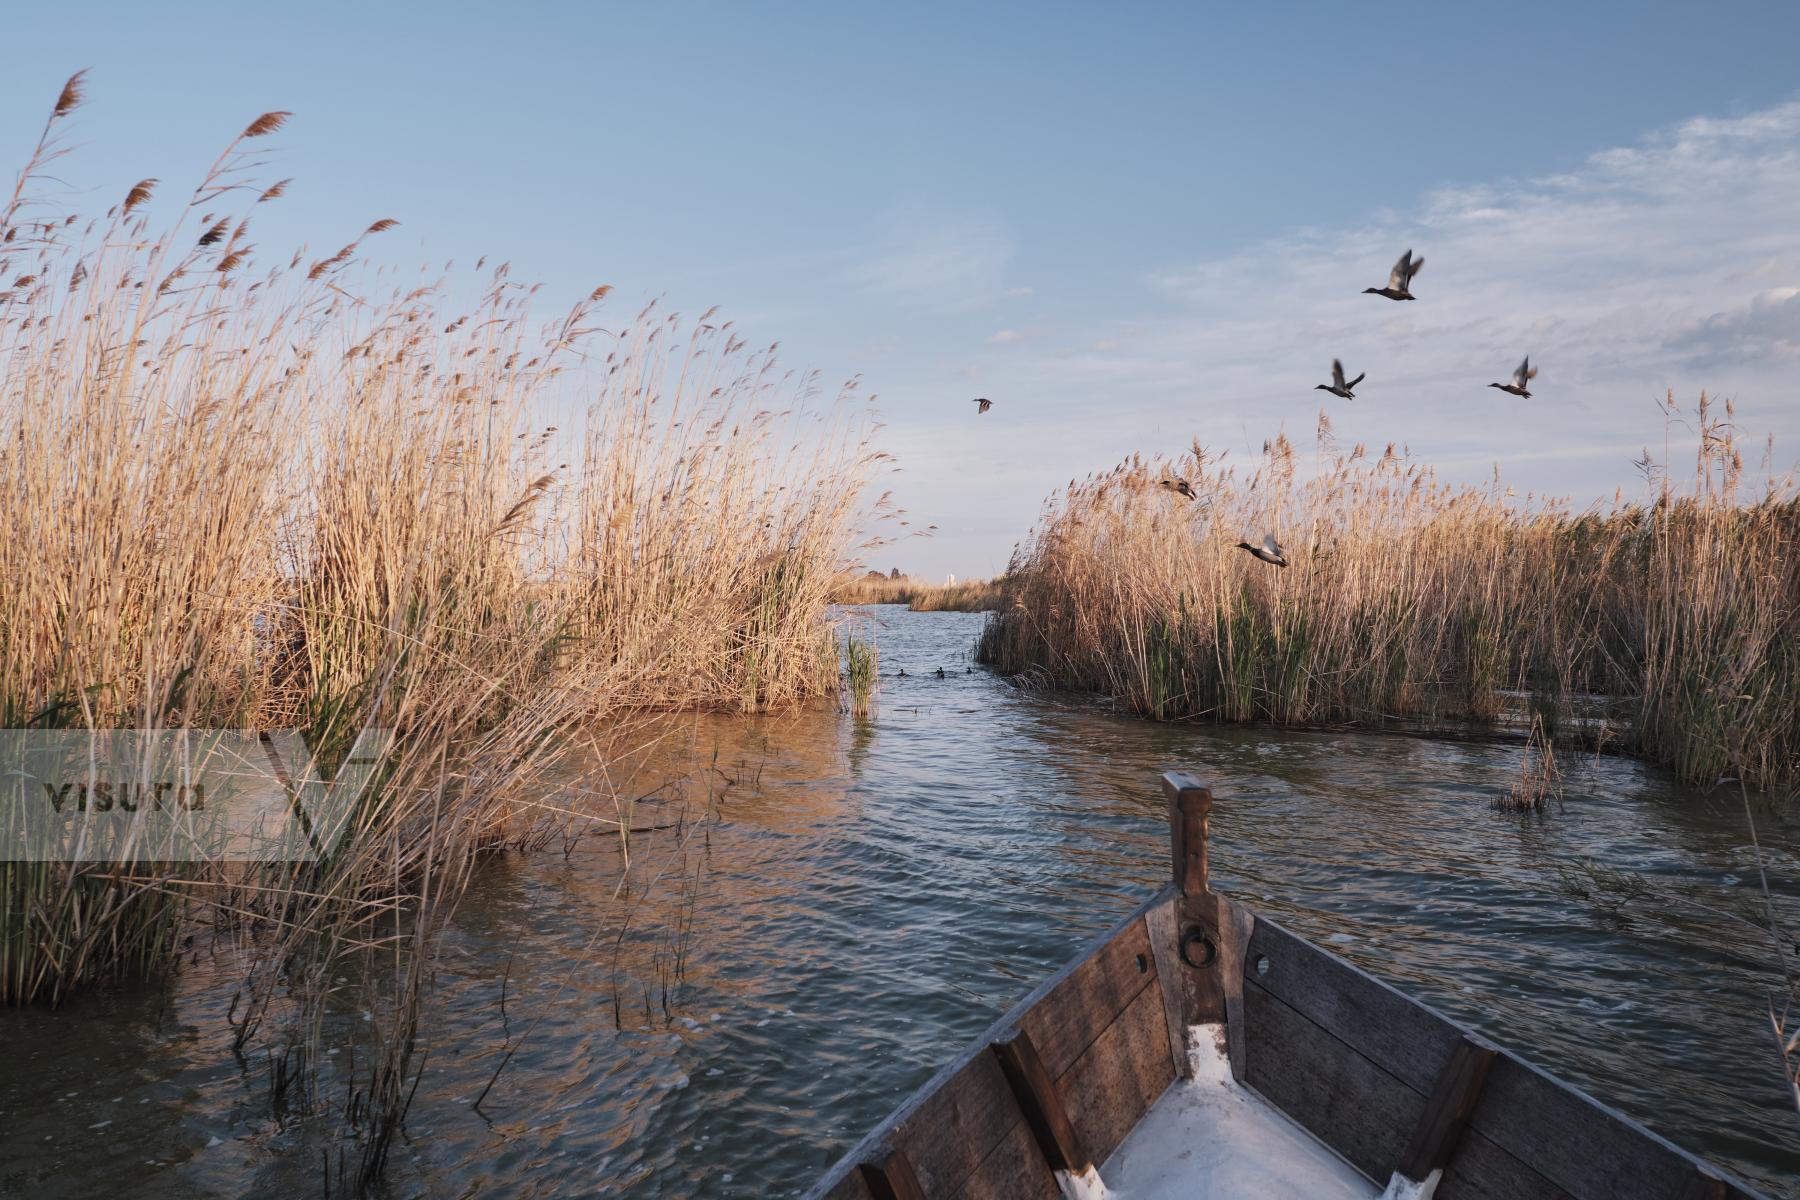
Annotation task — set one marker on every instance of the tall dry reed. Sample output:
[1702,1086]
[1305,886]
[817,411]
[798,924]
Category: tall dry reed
[862,672]
[714,505]
[295,497]
[971,595]
[1410,600]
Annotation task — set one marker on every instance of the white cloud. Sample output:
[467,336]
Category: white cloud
[949,259]
[1014,293]
[1674,263]
[1670,264]
[1005,336]
[1766,327]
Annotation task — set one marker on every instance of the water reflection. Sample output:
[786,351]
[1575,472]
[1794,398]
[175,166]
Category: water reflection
[844,902]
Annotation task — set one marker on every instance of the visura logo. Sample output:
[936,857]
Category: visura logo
[179,795]
[126,796]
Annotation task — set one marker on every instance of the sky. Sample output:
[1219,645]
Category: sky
[1130,226]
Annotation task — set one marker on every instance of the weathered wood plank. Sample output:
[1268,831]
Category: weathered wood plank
[1237,928]
[1701,1187]
[1189,804]
[1163,932]
[1342,1098]
[1013,1170]
[1480,1170]
[1402,1036]
[889,1176]
[1038,1098]
[1708,1184]
[926,1098]
[1068,1019]
[1203,981]
[1598,1153]
[849,1186]
[1110,1087]
[1447,1109]
[1573,1140]
[956,1127]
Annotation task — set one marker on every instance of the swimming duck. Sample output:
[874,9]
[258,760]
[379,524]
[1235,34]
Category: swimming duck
[1337,386]
[1269,551]
[982,406]
[1399,284]
[1524,375]
[1182,486]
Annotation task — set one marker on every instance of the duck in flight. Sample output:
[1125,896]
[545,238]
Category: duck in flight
[1337,386]
[1521,377]
[1269,551]
[982,406]
[1182,486]
[1399,284]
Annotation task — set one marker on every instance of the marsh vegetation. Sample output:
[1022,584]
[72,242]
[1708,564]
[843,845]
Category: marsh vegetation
[972,595]
[862,670]
[258,491]
[1409,599]
[250,490]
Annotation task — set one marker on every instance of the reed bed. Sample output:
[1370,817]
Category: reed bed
[974,595]
[875,589]
[1540,778]
[1409,600]
[713,509]
[308,496]
[862,671]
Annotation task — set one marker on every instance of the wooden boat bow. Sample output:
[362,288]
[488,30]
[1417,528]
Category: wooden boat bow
[1239,1059]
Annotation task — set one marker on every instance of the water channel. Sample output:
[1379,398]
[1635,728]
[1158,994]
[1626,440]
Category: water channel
[842,903]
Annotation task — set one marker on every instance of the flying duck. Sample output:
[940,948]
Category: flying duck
[1521,377]
[982,406]
[1269,551]
[1399,285]
[1183,486]
[1337,386]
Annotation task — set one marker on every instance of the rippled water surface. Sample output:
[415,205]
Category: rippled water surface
[846,902]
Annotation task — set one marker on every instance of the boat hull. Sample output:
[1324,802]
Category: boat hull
[1313,1057]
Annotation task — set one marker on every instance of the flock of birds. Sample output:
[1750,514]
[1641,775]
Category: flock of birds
[1399,287]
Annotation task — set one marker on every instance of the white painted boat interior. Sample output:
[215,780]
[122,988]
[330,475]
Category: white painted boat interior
[1210,1136]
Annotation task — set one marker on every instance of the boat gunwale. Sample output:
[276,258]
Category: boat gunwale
[873,1145]
[1206,908]
[1542,1075]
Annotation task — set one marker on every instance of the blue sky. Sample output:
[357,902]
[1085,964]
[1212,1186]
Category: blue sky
[1130,226]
